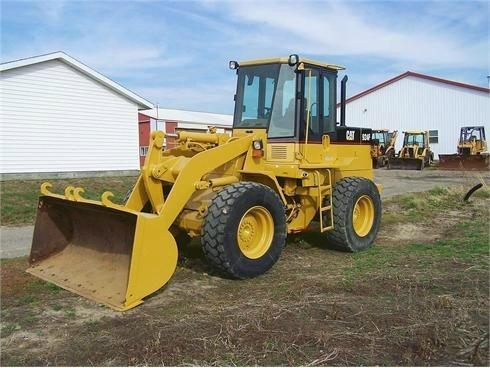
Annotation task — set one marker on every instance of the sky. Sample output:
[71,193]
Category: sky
[175,53]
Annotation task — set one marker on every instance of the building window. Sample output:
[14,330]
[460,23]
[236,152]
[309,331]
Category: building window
[433,136]
[143,151]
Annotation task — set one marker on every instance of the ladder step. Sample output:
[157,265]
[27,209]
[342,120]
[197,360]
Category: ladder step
[325,191]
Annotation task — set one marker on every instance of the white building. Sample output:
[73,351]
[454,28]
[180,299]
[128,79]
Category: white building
[413,101]
[172,121]
[60,116]
[188,120]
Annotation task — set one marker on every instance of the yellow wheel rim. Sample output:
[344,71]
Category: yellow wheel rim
[255,232]
[363,216]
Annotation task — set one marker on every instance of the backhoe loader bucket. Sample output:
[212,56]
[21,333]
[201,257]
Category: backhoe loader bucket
[111,255]
[464,162]
[405,163]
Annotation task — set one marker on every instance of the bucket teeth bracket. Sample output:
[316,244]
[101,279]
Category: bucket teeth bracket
[106,200]
[75,194]
[45,190]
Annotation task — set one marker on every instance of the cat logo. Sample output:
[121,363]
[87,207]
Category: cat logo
[349,135]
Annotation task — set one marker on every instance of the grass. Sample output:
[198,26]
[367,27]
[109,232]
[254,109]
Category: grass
[469,241]
[10,328]
[27,299]
[70,313]
[471,245]
[93,324]
[392,218]
[482,193]
[42,286]
[417,207]
[18,198]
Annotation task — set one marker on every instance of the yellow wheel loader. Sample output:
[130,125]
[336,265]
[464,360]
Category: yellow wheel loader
[382,146]
[472,155]
[415,153]
[286,163]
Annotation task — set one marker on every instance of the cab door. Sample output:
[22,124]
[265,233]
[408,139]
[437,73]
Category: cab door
[318,104]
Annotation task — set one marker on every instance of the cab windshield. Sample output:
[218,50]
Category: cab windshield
[265,99]
[470,134]
[414,139]
[379,136]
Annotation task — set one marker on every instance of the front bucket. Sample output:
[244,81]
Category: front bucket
[113,256]
[405,163]
[464,162]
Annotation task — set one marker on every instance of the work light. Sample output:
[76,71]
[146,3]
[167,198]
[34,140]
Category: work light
[293,59]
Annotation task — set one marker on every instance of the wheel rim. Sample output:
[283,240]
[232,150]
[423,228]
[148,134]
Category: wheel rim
[255,232]
[363,215]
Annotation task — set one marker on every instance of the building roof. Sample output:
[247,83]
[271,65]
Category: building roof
[189,116]
[61,56]
[416,75]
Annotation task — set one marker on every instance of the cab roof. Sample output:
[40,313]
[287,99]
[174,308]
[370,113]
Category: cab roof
[284,60]
[415,131]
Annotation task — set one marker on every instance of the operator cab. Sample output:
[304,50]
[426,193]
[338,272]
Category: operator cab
[471,134]
[293,98]
[415,139]
[380,137]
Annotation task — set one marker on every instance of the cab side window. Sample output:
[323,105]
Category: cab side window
[310,101]
[326,97]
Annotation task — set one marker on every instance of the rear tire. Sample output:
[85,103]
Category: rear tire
[357,214]
[244,230]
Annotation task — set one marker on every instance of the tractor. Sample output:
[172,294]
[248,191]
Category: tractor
[382,146]
[287,163]
[472,151]
[415,153]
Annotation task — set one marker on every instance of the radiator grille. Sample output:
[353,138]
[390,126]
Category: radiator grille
[279,152]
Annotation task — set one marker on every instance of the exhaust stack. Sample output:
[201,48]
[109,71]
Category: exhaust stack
[342,99]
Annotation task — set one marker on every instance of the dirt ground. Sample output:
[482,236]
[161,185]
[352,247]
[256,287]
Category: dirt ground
[419,297]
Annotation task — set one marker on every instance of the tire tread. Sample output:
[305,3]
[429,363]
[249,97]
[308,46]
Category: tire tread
[212,232]
[342,195]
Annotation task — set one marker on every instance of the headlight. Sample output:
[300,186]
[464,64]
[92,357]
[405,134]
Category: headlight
[257,145]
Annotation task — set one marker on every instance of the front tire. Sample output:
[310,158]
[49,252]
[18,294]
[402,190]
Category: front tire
[357,214]
[244,230]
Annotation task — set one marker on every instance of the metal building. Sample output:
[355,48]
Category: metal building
[172,121]
[60,116]
[413,101]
